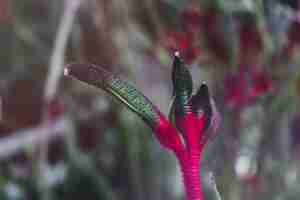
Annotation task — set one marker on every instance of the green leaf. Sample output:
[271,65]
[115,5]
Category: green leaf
[171,111]
[122,90]
[183,86]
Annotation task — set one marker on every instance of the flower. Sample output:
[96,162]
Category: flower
[235,90]
[193,118]
[244,87]
[261,84]
[184,42]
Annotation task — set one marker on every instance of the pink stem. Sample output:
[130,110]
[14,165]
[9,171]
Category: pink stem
[190,168]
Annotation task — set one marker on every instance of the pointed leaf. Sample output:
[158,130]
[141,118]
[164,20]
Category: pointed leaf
[183,86]
[181,77]
[201,104]
[204,106]
[123,91]
[213,125]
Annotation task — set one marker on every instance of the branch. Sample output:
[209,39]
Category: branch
[33,136]
[56,66]
[57,58]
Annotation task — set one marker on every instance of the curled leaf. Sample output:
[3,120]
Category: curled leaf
[131,97]
[122,90]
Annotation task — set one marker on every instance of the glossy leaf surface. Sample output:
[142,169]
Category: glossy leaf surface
[183,87]
[122,90]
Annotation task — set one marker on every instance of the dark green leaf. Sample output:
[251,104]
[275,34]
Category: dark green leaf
[182,86]
[123,91]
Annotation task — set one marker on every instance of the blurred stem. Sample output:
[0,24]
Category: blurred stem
[32,137]
[52,81]
[130,138]
[57,58]
[84,164]
[214,186]
[262,24]
[154,16]
[220,4]
[134,166]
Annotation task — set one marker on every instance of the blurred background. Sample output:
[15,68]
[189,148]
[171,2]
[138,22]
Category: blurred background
[60,139]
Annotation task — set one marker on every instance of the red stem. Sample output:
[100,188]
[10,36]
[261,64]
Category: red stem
[190,168]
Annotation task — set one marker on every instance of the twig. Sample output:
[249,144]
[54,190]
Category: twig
[32,136]
[55,72]
[57,58]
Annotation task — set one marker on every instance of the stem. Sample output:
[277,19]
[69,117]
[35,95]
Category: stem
[51,85]
[32,136]
[57,58]
[190,168]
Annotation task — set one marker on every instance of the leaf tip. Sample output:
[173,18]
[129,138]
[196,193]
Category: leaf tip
[203,90]
[66,71]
